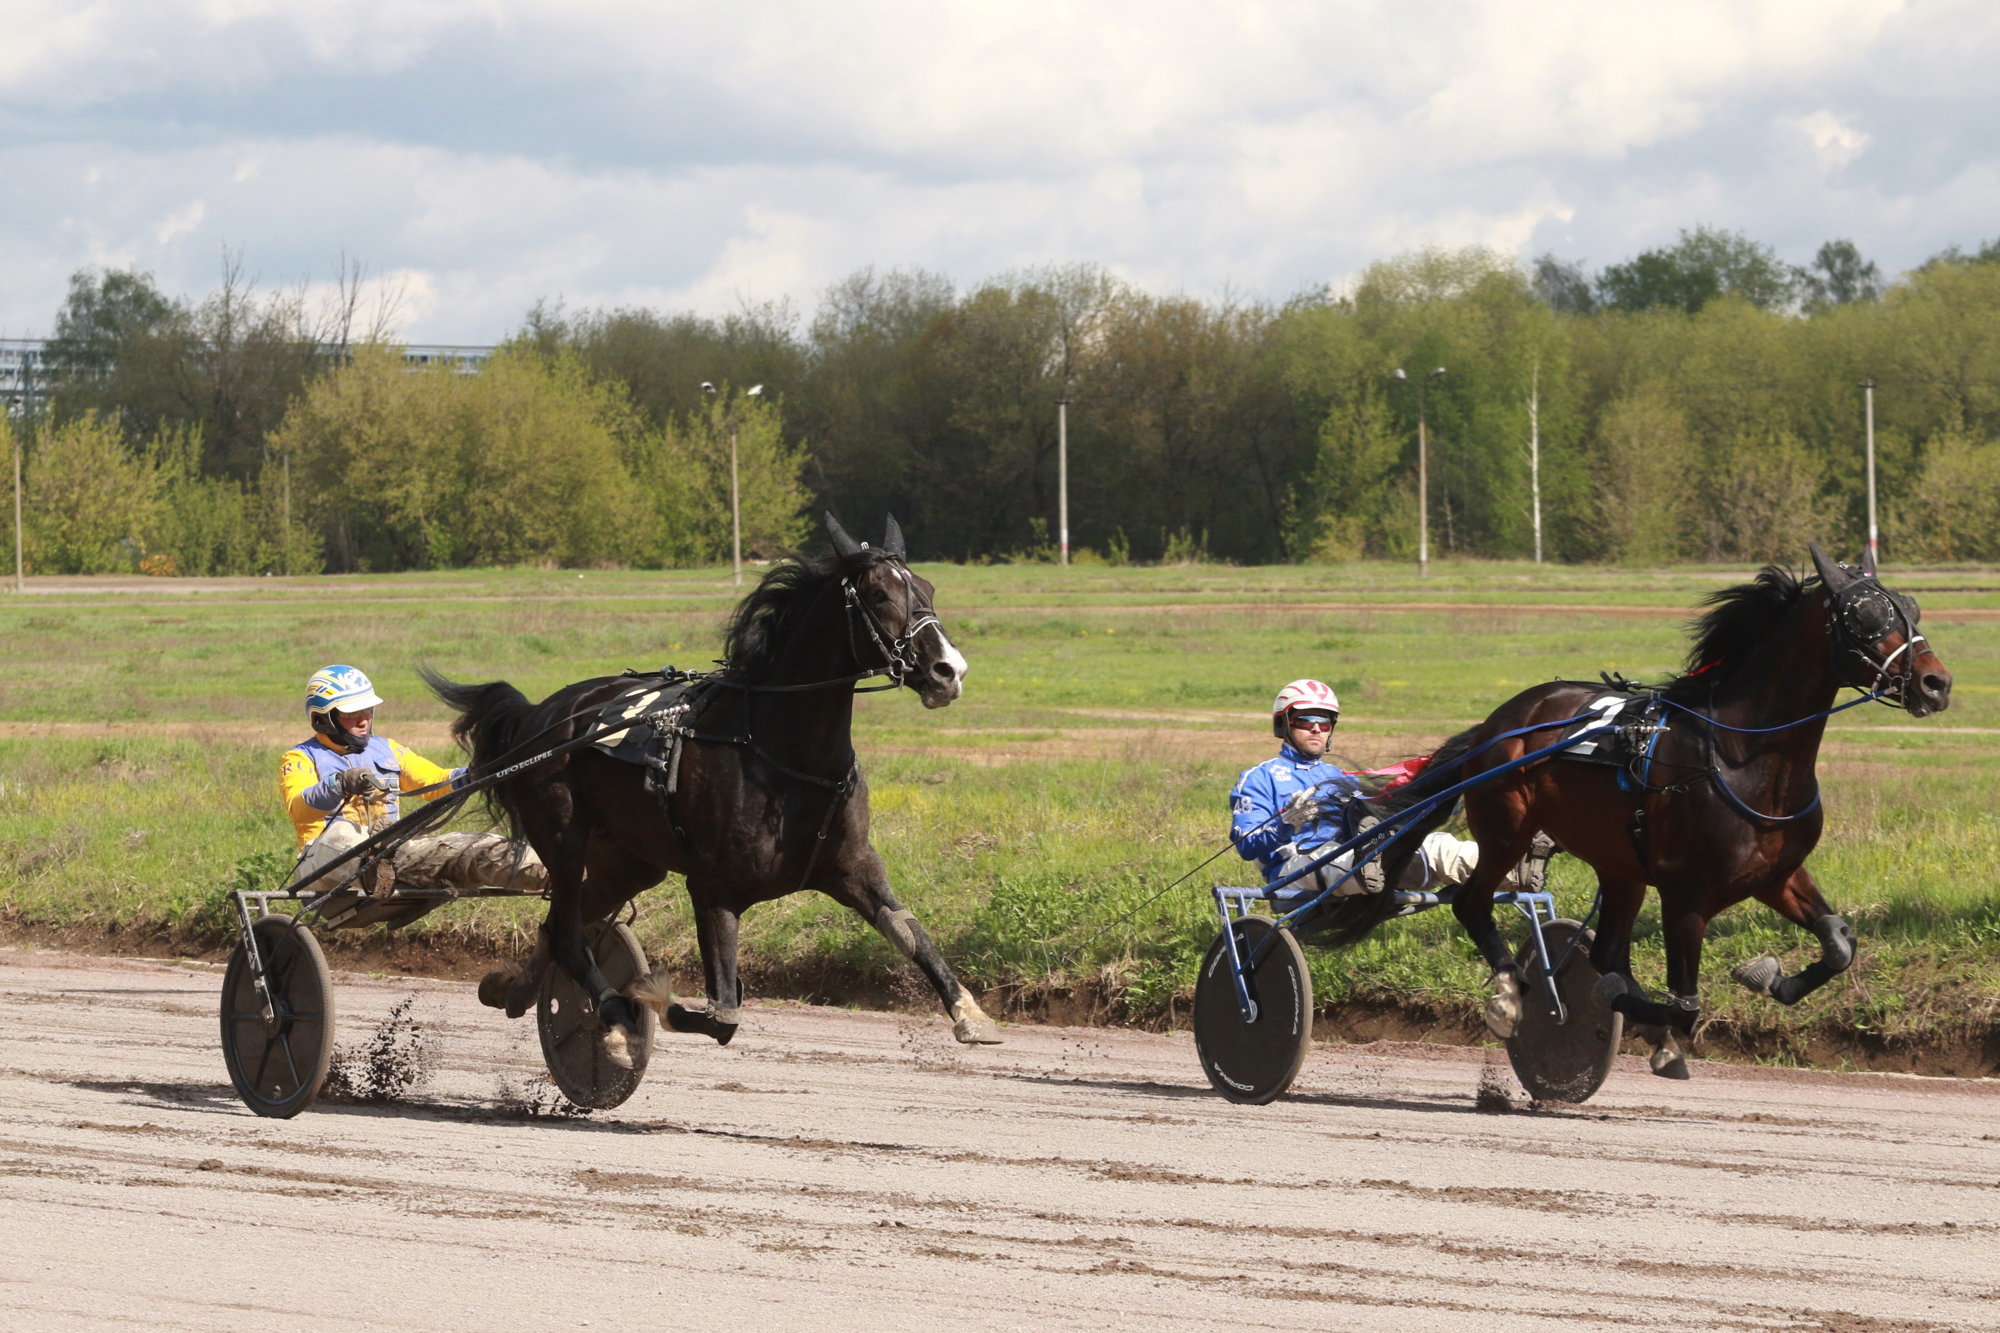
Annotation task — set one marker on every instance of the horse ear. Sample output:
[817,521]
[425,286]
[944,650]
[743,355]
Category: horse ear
[1833,576]
[892,538]
[843,545]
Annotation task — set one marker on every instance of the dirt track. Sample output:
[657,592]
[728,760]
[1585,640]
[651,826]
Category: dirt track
[836,1170]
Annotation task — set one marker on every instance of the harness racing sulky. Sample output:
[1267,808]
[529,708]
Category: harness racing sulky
[1703,786]
[743,780]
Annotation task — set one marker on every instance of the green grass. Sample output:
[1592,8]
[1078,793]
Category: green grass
[1106,714]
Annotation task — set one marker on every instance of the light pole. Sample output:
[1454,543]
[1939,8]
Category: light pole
[13,432]
[1868,397]
[1062,476]
[1423,472]
[735,490]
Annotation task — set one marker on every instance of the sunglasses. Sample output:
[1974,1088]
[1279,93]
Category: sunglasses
[1312,724]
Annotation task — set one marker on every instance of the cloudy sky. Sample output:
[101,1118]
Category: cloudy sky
[483,154]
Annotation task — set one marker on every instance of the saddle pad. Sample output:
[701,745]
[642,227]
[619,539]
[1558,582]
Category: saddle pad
[634,742]
[1609,747]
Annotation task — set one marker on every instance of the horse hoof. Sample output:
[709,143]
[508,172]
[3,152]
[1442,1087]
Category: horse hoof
[617,1049]
[1669,1064]
[1759,974]
[1503,1010]
[680,1018]
[976,1032]
[494,985]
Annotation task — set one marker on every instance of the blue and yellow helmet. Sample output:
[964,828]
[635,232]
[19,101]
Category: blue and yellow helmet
[342,689]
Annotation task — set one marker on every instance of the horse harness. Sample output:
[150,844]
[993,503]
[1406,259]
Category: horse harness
[1859,617]
[664,709]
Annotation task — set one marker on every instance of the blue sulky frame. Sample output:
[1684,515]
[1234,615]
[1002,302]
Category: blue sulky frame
[1234,903]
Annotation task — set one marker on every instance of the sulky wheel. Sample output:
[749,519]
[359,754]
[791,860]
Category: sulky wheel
[570,1031]
[279,1066]
[1563,1062]
[1253,1062]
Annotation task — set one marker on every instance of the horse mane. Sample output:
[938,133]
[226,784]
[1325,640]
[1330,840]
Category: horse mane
[762,621]
[1740,619]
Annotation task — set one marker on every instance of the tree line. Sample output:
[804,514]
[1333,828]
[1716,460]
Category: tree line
[1700,401]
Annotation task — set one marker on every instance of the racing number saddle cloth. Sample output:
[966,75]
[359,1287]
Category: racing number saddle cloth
[1641,722]
[660,708]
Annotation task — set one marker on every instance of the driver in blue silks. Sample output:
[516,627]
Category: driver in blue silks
[1288,810]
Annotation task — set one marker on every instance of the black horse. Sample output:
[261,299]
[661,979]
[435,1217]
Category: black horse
[1728,810]
[766,798]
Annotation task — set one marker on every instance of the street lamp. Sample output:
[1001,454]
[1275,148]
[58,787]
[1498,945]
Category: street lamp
[1423,471]
[735,490]
[1062,476]
[1868,395]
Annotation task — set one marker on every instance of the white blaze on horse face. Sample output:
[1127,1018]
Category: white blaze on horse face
[953,659]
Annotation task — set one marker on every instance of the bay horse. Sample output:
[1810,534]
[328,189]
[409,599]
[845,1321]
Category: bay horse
[767,797]
[1728,810]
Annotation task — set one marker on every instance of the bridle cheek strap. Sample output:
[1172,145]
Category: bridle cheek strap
[899,658]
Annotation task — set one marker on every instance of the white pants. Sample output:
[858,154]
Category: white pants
[432,861]
[1440,860]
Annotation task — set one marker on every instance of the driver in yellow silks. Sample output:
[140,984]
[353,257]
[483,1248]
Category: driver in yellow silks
[346,782]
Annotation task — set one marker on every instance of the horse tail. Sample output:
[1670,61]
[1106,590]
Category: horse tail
[489,722]
[1440,773]
[1344,922]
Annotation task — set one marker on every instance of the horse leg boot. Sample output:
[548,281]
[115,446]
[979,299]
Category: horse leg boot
[715,931]
[969,1023]
[1473,907]
[511,987]
[1767,976]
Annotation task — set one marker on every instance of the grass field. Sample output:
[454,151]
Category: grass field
[1106,713]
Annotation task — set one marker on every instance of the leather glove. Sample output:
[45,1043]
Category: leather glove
[1302,810]
[359,782]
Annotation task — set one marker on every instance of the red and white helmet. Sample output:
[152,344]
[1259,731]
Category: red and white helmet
[1301,695]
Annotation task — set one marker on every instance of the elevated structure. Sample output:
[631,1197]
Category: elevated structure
[22,361]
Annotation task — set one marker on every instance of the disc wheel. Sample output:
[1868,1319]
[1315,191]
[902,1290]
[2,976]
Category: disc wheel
[570,1027]
[278,1067]
[1256,1061]
[1568,1061]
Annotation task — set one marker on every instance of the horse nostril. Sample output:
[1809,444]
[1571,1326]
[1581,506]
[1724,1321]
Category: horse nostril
[1937,686]
[942,670]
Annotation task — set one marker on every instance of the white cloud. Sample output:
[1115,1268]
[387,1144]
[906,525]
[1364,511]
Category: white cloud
[1836,142]
[624,151]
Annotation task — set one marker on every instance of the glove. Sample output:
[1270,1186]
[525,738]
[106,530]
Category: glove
[1302,810]
[359,782]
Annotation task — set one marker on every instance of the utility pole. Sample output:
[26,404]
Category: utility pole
[1423,473]
[14,434]
[1869,399]
[1535,453]
[1062,477]
[285,537]
[735,484]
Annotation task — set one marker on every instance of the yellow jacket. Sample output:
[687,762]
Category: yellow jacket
[309,778]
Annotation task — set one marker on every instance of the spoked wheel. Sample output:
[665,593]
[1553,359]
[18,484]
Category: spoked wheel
[1253,1062]
[278,1067]
[570,1028]
[1563,1062]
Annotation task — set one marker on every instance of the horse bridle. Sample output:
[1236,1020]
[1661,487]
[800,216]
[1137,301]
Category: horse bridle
[1845,616]
[898,651]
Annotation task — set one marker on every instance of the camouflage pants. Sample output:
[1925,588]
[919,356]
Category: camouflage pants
[433,860]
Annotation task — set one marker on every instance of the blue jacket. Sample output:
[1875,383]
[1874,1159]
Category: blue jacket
[1263,791]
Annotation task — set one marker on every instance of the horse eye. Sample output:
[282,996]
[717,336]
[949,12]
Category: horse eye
[879,597]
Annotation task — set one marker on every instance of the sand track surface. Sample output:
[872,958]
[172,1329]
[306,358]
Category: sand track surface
[840,1170]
